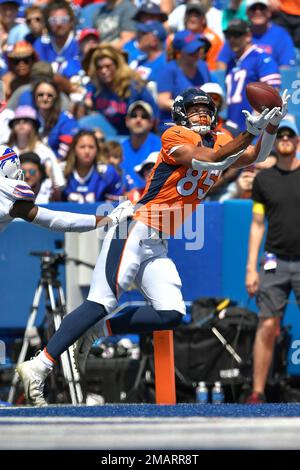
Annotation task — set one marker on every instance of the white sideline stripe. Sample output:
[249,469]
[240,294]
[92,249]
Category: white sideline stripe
[210,420]
[153,433]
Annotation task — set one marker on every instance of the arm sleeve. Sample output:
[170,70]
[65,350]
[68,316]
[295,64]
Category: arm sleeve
[64,221]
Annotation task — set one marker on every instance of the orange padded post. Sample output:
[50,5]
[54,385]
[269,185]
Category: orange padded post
[165,392]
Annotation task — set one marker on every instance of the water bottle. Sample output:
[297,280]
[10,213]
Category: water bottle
[217,394]
[202,393]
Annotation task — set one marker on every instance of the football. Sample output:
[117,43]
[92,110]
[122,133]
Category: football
[262,96]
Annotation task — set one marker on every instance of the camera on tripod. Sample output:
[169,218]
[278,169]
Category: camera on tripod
[50,261]
[49,287]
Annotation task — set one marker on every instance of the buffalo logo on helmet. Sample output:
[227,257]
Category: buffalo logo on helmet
[10,166]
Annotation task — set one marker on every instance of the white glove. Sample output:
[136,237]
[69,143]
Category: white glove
[256,124]
[281,113]
[121,212]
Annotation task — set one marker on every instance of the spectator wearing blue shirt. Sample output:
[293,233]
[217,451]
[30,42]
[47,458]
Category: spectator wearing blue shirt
[185,71]
[147,12]
[88,178]
[115,86]
[58,126]
[251,64]
[151,39]
[8,13]
[59,47]
[141,142]
[35,22]
[271,38]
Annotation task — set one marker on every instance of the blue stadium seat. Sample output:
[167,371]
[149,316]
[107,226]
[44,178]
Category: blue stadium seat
[97,121]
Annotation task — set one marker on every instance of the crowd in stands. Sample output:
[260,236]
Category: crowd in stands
[90,84]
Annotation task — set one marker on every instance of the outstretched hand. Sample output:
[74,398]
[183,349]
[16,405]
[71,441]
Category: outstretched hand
[256,124]
[121,212]
[281,113]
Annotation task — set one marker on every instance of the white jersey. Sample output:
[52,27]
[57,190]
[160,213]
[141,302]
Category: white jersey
[10,192]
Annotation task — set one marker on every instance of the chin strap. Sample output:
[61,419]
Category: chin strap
[202,130]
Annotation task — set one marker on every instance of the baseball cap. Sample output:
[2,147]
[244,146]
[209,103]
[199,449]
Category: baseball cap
[211,87]
[154,27]
[238,26]
[152,157]
[195,7]
[88,32]
[250,3]
[142,104]
[150,8]
[188,42]
[288,123]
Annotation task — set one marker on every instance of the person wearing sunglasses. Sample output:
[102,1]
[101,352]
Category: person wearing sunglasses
[141,142]
[57,126]
[20,61]
[60,47]
[15,30]
[114,86]
[24,137]
[268,36]
[276,199]
[35,176]
[35,22]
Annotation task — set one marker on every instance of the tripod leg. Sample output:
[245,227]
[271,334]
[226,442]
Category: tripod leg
[24,349]
[73,368]
[64,357]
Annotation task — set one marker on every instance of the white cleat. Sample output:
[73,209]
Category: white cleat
[33,376]
[83,346]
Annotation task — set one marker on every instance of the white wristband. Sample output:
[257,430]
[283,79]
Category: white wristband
[200,165]
[266,145]
[64,221]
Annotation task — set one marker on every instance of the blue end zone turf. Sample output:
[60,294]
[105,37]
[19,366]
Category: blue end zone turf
[152,411]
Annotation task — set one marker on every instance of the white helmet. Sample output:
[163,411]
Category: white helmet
[10,165]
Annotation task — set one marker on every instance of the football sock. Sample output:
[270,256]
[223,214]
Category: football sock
[73,326]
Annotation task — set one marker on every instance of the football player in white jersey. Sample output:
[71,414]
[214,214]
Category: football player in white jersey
[17,201]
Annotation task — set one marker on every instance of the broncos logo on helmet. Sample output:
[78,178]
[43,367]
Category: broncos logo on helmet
[10,165]
[188,98]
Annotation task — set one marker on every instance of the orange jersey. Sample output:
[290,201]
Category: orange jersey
[173,191]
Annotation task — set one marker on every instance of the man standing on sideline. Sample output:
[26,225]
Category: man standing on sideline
[188,165]
[276,198]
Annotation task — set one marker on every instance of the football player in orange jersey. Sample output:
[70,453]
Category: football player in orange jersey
[189,163]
